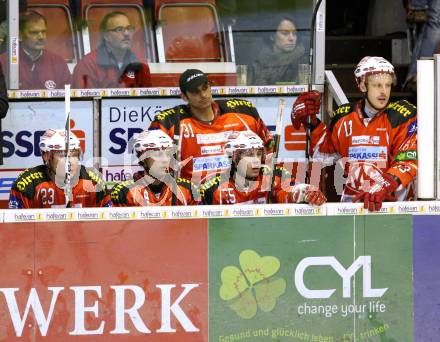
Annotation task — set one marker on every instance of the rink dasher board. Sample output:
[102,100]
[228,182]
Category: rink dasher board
[214,211]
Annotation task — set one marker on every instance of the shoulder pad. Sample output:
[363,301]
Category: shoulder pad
[279,171]
[90,174]
[238,106]
[169,117]
[28,180]
[343,110]
[22,173]
[207,189]
[400,112]
[120,190]
[340,112]
[186,183]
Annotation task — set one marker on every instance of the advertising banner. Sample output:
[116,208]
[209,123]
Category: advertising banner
[26,122]
[311,279]
[124,281]
[345,278]
[426,237]
[123,119]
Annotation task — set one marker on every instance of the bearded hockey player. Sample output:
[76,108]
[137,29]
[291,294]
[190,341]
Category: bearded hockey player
[249,180]
[155,184]
[44,186]
[376,141]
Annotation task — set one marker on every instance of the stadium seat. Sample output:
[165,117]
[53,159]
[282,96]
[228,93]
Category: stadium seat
[94,10]
[61,37]
[188,31]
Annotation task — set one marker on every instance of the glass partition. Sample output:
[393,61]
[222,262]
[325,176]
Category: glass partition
[136,43]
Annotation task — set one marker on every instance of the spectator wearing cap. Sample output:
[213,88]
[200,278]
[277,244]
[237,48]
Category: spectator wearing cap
[113,64]
[39,68]
[204,126]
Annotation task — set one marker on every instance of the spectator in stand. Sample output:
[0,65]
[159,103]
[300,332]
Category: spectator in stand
[278,60]
[113,64]
[39,67]
[420,11]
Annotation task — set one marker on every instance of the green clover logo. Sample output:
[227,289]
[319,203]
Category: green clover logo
[253,286]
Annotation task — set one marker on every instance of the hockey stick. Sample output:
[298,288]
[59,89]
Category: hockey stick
[276,139]
[309,85]
[68,165]
[175,167]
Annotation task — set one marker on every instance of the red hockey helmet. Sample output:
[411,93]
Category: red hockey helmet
[370,65]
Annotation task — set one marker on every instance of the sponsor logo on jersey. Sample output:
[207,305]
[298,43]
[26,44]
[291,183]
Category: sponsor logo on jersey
[365,140]
[213,138]
[216,149]
[14,203]
[407,155]
[400,108]
[236,103]
[23,181]
[231,125]
[130,74]
[412,129]
[211,163]
[341,110]
[368,153]
[359,178]
[50,84]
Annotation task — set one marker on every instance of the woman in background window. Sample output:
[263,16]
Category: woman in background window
[278,61]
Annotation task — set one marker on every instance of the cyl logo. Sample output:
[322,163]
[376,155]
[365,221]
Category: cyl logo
[253,285]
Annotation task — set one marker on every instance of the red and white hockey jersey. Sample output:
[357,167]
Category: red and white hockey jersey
[201,144]
[368,146]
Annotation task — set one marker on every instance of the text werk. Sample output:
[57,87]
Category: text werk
[83,312]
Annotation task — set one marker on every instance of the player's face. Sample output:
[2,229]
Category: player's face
[201,98]
[119,33]
[56,160]
[157,162]
[249,162]
[378,89]
[33,35]
[285,37]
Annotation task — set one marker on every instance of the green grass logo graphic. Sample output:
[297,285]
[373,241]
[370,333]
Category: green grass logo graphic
[253,286]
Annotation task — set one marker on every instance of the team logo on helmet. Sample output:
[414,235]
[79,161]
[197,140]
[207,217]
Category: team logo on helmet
[243,140]
[154,139]
[55,140]
[372,65]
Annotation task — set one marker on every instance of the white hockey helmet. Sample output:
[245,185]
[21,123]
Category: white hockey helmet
[372,65]
[244,140]
[55,140]
[149,140]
